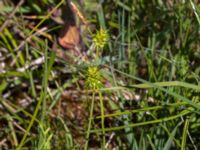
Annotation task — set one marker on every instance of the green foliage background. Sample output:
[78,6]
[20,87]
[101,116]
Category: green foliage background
[143,92]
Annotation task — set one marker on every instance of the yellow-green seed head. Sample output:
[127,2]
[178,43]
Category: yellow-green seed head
[94,78]
[100,38]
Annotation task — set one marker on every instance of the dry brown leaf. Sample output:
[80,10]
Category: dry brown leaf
[69,37]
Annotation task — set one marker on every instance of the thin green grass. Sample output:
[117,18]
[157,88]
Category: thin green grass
[142,123]
[42,99]
[90,121]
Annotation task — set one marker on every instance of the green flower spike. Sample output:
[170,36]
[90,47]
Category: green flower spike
[100,38]
[94,78]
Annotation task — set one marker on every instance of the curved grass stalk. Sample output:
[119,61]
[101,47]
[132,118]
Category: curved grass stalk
[142,123]
[152,85]
[184,99]
[127,112]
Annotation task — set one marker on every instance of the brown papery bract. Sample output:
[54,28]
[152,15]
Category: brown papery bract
[69,37]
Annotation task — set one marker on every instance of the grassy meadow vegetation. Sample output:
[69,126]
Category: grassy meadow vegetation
[130,81]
